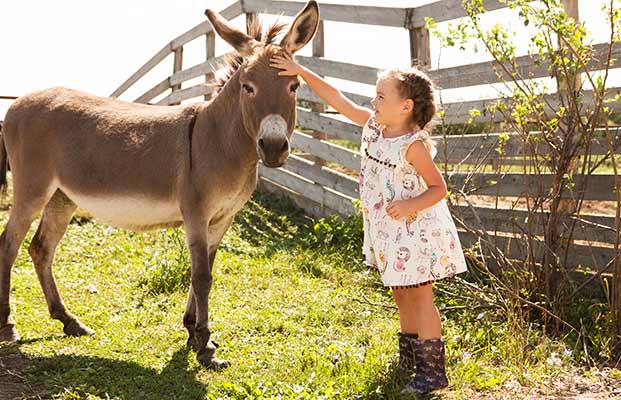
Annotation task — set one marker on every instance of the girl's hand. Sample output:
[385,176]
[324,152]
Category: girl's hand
[288,66]
[399,209]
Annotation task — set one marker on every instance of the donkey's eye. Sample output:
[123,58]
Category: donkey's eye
[249,89]
[294,87]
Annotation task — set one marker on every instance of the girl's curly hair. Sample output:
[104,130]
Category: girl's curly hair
[416,85]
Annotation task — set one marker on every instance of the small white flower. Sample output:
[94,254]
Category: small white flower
[465,355]
[554,360]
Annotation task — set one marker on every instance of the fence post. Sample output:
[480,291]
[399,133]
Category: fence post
[570,86]
[210,52]
[420,54]
[177,66]
[556,243]
[318,51]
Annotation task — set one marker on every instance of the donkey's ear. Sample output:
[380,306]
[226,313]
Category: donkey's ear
[303,28]
[241,42]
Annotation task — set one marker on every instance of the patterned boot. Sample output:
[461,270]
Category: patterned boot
[430,367]
[406,353]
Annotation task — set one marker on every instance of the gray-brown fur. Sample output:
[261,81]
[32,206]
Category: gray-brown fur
[143,167]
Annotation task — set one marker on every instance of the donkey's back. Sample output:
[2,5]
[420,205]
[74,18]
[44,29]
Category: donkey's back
[106,155]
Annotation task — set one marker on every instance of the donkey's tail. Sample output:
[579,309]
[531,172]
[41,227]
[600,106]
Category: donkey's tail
[4,164]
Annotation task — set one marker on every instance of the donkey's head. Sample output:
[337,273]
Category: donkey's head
[268,100]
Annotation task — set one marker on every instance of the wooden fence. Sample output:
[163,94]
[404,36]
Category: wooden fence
[321,176]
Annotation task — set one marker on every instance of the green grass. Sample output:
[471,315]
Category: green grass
[292,307]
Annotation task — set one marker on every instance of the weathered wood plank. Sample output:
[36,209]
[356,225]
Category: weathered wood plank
[444,10]
[599,187]
[487,72]
[310,207]
[148,66]
[527,67]
[333,127]
[318,51]
[177,67]
[340,70]
[459,112]
[304,93]
[185,94]
[420,47]
[325,150]
[154,92]
[592,228]
[589,257]
[386,16]
[472,148]
[205,68]
[316,193]
[197,70]
[324,176]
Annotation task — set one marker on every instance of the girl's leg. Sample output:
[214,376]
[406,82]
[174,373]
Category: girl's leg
[407,317]
[409,332]
[429,348]
[425,312]
[417,311]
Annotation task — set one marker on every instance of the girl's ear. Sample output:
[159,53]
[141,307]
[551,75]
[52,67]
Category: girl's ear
[408,105]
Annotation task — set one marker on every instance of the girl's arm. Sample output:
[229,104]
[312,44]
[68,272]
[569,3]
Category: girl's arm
[357,114]
[418,155]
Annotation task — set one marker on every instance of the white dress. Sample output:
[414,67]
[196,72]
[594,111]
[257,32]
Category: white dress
[410,251]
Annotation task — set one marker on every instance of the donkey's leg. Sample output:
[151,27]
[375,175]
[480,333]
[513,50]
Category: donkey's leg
[189,317]
[196,231]
[24,211]
[56,218]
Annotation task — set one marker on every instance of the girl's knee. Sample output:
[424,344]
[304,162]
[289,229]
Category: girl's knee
[399,295]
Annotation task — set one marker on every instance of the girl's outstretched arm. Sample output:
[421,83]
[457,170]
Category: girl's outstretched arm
[331,95]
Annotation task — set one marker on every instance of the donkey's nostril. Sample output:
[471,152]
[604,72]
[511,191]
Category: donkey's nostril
[285,146]
[261,144]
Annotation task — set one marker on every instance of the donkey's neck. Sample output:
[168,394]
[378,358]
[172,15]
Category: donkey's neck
[226,128]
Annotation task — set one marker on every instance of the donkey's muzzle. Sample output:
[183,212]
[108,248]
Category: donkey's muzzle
[273,141]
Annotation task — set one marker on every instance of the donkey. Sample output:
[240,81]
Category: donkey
[144,167]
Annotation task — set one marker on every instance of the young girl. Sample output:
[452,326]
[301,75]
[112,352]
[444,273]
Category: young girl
[409,234]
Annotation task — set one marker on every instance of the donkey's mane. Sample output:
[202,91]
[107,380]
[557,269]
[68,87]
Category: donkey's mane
[233,61]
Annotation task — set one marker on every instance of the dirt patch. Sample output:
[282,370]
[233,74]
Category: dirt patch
[13,383]
[594,384]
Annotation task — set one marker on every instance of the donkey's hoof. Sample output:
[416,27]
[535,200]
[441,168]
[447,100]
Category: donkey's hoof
[8,333]
[76,328]
[206,357]
[192,343]
[210,362]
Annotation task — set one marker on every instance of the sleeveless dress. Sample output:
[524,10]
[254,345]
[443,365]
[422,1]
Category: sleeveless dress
[417,249]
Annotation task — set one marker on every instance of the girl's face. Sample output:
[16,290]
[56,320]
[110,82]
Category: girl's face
[390,108]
